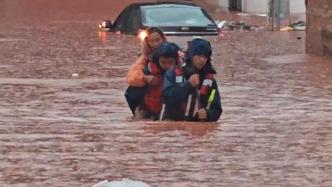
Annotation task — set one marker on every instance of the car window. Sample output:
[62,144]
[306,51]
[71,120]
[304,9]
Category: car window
[129,21]
[174,16]
[121,19]
[136,19]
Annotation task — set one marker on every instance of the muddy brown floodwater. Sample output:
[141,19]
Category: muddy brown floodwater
[62,130]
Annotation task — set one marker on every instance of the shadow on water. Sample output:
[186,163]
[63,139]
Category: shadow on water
[195,129]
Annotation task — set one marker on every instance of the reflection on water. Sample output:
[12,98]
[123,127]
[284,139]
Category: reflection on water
[102,36]
[60,130]
[194,129]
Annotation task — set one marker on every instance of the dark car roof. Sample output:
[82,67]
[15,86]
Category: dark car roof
[127,23]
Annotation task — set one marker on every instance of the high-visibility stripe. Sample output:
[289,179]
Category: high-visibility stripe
[179,79]
[196,103]
[207,82]
[188,104]
[162,113]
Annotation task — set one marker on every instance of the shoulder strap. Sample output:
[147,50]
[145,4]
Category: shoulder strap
[207,84]
[178,75]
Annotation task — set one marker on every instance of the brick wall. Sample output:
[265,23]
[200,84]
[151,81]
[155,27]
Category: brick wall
[319,27]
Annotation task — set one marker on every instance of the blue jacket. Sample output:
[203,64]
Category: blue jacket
[176,97]
[178,93]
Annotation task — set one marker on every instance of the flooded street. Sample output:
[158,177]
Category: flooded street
[64,120]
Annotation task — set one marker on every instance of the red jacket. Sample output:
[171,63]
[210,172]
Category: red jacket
[153,97]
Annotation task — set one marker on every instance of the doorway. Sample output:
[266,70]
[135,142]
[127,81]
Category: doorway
[235,5]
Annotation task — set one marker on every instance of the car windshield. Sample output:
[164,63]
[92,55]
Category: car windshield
[174,15]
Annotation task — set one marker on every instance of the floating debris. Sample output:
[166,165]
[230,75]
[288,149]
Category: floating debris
[234,25]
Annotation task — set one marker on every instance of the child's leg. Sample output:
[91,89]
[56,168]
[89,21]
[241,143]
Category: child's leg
[135,97]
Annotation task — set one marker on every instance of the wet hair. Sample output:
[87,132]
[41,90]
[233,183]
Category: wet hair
[146,49]
[151,30]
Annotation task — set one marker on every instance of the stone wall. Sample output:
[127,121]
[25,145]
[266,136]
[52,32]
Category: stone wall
[319,27]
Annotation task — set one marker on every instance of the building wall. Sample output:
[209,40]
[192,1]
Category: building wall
[297,6]
[223,3]
[319,27]
[261,6]
[255,6]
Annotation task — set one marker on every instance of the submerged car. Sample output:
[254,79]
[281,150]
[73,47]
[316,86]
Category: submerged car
[172,18]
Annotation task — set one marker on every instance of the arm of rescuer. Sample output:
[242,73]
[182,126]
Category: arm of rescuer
[215,109]
[136,76]
[174,94]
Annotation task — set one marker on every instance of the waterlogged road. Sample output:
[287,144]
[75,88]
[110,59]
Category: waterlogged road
[57,129]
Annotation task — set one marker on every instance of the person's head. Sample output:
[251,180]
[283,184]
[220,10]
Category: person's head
[154,37]
[199,61]
[166,55]
[199,53]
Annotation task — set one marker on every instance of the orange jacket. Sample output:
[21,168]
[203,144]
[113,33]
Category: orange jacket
[135,76]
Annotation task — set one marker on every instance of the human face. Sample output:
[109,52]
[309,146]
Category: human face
[154,40]
[166,62]
[199,61]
